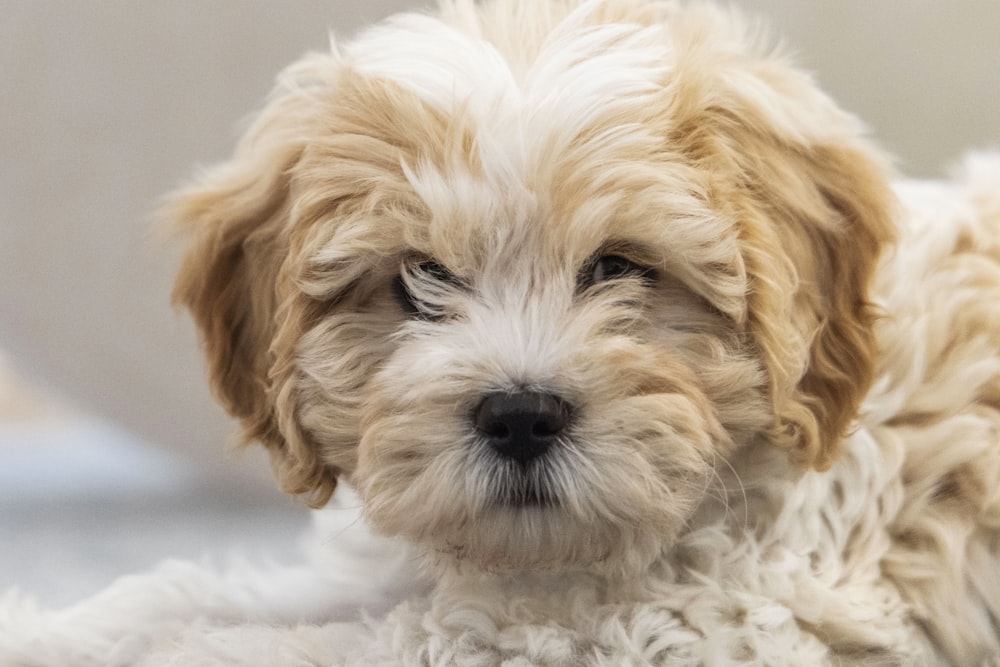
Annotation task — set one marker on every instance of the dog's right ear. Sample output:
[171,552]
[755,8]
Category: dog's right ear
[228,278]
[237,219]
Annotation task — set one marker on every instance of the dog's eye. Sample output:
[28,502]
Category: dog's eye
[435,271]
[612,267]
[418,284]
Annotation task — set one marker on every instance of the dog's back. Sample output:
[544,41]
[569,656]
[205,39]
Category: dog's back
[936,408]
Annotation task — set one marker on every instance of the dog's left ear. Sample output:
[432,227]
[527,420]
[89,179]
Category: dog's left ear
[811,260]
[812,203]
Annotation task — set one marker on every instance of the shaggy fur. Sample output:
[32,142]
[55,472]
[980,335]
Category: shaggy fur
[780,384]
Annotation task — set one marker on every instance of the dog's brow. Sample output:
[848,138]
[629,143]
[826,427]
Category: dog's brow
[634,250]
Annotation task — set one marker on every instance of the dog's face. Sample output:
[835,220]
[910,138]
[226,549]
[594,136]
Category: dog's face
[528,290]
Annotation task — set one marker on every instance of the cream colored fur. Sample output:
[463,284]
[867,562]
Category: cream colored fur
[783,443]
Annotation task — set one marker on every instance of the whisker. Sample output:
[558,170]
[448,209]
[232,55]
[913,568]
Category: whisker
[725,490]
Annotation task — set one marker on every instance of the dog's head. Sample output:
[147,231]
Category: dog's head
[526,275]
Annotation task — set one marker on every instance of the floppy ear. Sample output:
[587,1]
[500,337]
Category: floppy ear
[811,261]
[814,211]
[238,218]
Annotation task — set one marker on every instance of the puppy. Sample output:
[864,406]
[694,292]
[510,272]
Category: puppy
[606,294]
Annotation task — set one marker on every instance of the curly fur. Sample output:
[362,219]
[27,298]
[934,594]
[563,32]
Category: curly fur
[783,447]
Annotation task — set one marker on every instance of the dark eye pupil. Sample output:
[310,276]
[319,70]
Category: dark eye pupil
[435,271]
[610,267]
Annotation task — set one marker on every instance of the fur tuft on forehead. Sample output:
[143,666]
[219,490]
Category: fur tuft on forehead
[585,79]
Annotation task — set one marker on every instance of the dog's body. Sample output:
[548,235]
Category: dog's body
[614,320]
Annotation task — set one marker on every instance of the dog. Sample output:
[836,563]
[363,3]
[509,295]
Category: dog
[615,321]
[570,287]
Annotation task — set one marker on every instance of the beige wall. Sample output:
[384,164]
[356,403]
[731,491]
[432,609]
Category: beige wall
[106,105]
[924,74]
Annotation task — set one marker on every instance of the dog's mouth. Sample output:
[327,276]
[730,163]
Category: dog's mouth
[526,494]
[524,485]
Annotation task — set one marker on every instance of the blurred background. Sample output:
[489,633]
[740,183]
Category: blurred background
[112,453]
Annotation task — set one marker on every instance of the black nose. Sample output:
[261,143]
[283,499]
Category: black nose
[521,425]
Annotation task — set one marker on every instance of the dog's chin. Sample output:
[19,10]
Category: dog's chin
[542,538]
[525,525]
